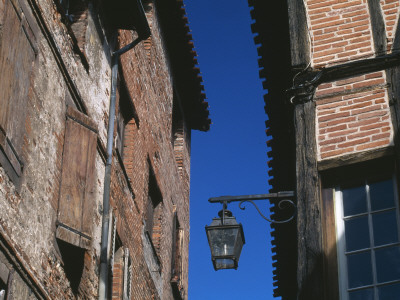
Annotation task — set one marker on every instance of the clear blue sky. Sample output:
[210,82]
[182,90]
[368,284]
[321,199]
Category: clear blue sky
[231,158]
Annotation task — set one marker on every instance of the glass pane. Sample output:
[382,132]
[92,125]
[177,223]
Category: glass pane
[224,263]
[385,228]
[382,195]
[367,294]
[354,201]
[357,233]
[359,269]
[389,292]
[222,241]
[388,263]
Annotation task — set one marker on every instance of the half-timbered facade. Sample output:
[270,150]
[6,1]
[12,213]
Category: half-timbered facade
[97,103]
[331,70]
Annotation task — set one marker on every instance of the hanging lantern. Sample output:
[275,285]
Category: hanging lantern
[226,239]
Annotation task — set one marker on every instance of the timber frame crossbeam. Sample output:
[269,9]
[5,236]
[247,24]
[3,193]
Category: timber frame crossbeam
[306,83]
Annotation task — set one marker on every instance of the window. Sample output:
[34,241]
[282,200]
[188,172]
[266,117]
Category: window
[73,263]
[121,268]
[367,230]
[154,212]
[176,261]
[178,133]
[127,122]
[76,19]
[75,207]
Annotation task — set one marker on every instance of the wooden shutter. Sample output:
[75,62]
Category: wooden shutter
[78,180]
[17,55]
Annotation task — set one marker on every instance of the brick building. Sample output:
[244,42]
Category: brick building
[331,70]
[88,209]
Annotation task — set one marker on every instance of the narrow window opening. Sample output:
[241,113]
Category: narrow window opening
[177,133]
[176,261]
[76,14]
[127,119]
[154,213]
[176,250]
[121,272]
[177,122]
[117,272]
[73,263]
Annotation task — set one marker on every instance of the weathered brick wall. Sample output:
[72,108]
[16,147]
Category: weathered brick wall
[339,30]
[64,77]
[391,11]
[351,120]
[352,114]
[28,215]
[150,85]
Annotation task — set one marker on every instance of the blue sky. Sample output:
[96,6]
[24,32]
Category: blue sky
[231,158]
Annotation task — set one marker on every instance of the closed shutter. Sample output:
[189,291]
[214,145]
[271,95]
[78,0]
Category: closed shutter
[76,200]
[17,55]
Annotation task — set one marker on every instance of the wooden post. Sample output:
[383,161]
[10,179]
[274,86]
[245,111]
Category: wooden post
[299,36]
[310,279]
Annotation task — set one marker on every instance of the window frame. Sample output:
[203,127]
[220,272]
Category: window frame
[339,218]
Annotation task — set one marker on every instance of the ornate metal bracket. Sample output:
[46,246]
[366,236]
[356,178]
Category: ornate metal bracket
[304,87]
[224,200]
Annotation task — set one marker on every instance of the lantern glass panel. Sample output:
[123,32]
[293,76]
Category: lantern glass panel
[225,263]
[239,244]
[222,241]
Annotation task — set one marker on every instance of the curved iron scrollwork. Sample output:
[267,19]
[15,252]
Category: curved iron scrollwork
[283,196]
[280,205]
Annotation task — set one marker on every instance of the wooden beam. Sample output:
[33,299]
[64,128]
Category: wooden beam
[378,26]
[308,82]
[299,36]
[310,279]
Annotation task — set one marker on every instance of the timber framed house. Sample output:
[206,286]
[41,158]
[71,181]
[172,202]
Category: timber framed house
[331,68]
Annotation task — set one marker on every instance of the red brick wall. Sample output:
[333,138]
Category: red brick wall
[339,30]
[352,114]
[148,143]
[352,121]
[391,10]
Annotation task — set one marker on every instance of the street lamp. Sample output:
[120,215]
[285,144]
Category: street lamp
[225,236]
[226,239]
